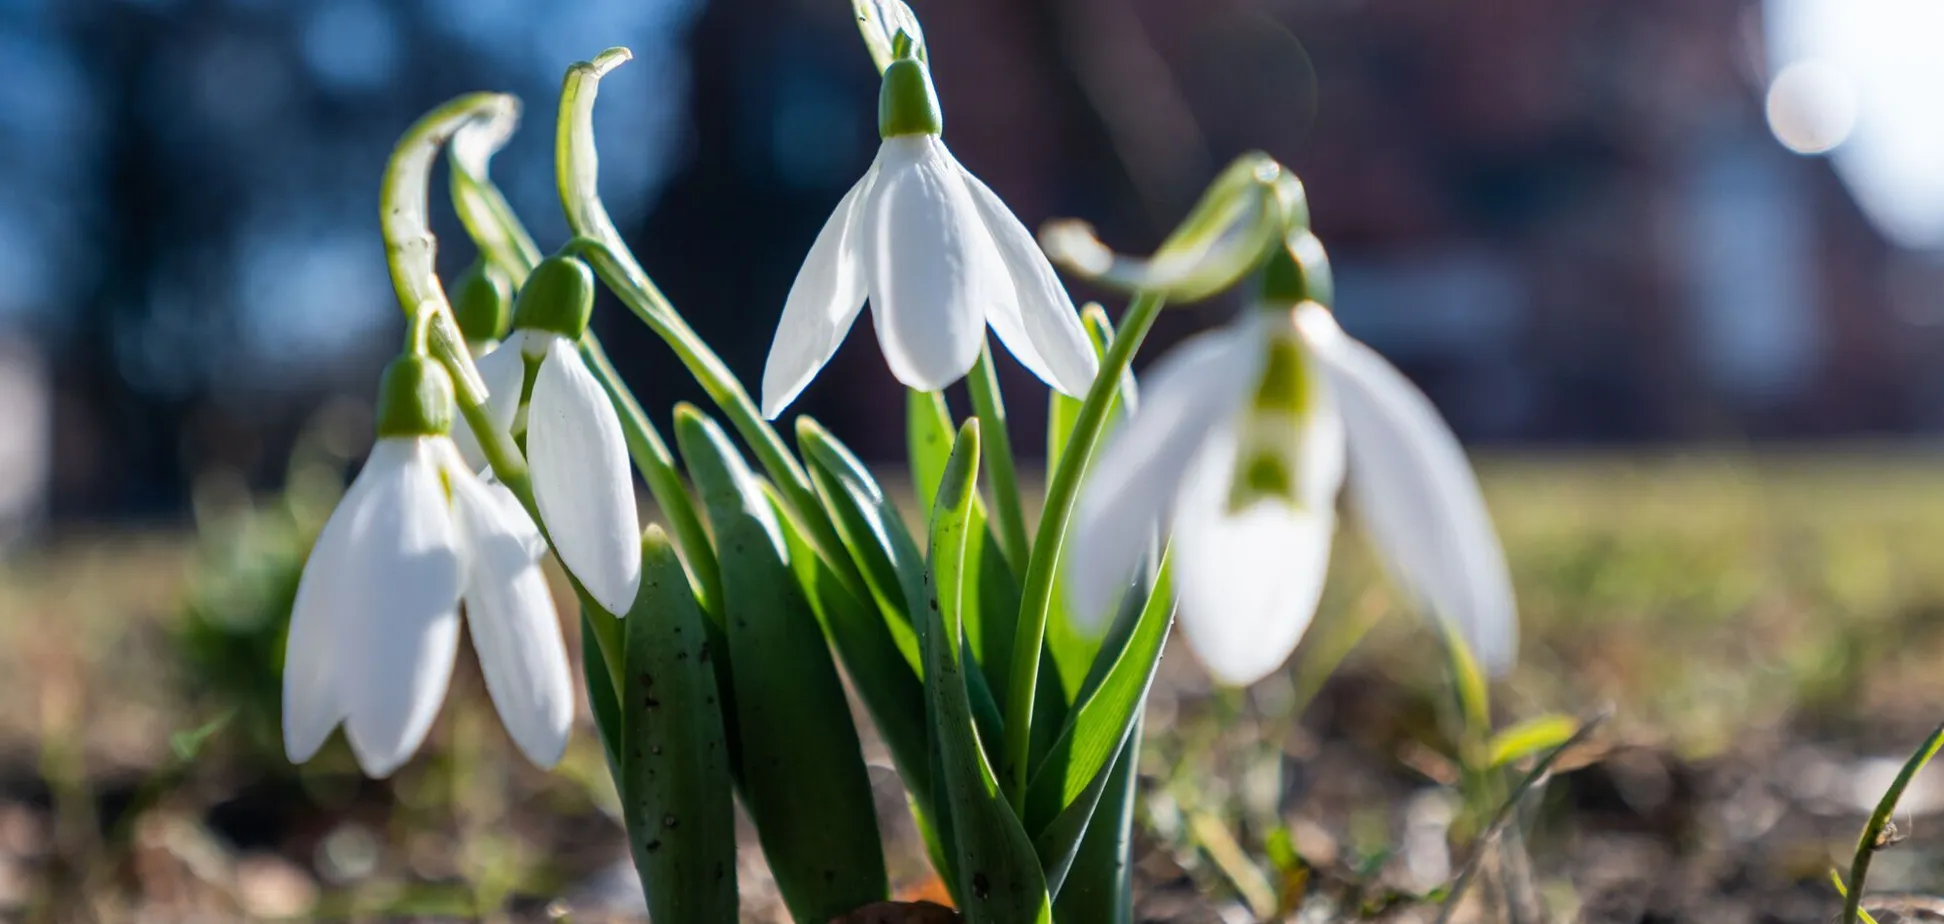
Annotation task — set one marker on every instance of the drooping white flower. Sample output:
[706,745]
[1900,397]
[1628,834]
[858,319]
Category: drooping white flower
[938,255]
[375,627]
[1241,443]
[576,450]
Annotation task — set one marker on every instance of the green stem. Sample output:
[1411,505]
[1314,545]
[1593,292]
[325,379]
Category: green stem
[499,234]
[1008,514]
[410,254]
[1866,845]
[1061,493]
[577,171]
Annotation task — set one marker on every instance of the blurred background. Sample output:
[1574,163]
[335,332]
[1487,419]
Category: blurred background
[1675,268]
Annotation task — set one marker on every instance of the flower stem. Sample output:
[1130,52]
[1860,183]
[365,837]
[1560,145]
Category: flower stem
[1008,512]
[410,251]
[1061,493]
[577,169]
[1866,844]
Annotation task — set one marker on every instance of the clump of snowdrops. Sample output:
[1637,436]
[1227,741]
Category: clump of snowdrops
[1005,668]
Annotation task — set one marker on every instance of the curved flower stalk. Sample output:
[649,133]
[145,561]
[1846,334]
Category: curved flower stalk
[376,621]
[1242,442]
[938,255]
[576,450]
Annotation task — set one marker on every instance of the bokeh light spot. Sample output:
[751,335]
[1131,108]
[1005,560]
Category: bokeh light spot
[1811,107]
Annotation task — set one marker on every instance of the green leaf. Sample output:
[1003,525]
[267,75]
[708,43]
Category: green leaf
[675,780]
[1074,652]
[880,21]
[891,690]
[992,605]
[1530,737]
[998,874]
[186,744]
[1098,887]
[928,442]
[1097,728]
[793,720]
[871,529]
[602,698]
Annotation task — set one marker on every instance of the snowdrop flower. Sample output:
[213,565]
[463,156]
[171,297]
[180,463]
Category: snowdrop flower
[376,623]
[938,255]
[1242,439]
[582,482]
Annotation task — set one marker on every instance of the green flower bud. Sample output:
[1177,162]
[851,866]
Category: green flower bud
[414,398]
[482,302]
[1297,272]
[908,104]
[558,297]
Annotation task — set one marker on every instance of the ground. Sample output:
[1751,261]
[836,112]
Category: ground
[1766,632]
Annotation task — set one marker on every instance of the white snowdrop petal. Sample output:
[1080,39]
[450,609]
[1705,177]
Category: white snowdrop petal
[823,303]
[1191,391]
[328,609]
[930,264]
[581,479]
[515,628]
[1416,496]
[405,573]
[1038,323]
[504,372]
[1247,581]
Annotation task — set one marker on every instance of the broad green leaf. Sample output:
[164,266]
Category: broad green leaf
[891,690]
[1096,729]
[992,607]
[1098,886]
[1530,737]
[998,873]
[675,780]
[928,442]
[793,720]
[880,21]
[871,528]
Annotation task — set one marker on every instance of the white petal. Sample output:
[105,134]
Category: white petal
[1038,322]
[515,628]
[581,479]
[1416,495]
[327,608]
[1248,580]
[931,266]
[403,577]
[504,372]
[822,305]
[1198,386]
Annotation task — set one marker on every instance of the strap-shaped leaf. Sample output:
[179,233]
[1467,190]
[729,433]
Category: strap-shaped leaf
[928,442]
[1098,885]
[1096,729]
[992,606]
[602,699]
[998,874]
[871,528]
[1074,658]
[792,719]
[675,781]
[1540,733]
